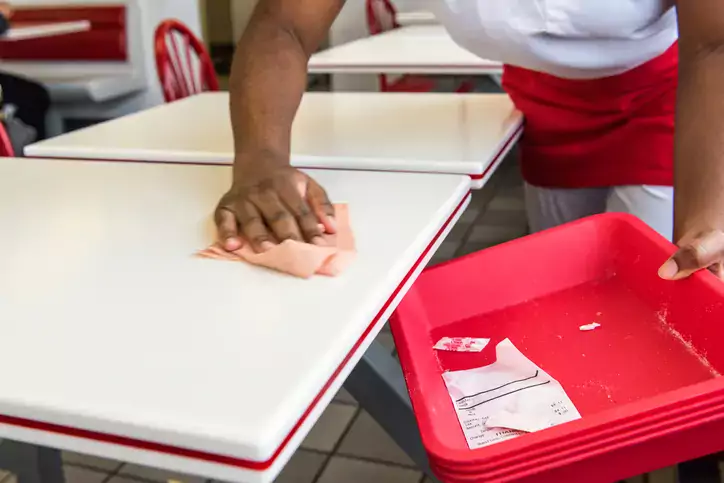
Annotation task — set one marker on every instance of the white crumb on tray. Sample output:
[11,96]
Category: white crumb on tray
[589,327]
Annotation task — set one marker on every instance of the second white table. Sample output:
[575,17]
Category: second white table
[416,49]
[439,133]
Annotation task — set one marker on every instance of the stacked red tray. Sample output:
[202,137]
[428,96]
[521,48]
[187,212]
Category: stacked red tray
[646,382]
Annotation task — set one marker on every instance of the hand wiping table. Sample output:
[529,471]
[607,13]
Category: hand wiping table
[297,258]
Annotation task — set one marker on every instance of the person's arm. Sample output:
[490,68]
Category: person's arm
[268,79]
[699,141]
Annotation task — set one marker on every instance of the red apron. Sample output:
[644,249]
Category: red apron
[612,131]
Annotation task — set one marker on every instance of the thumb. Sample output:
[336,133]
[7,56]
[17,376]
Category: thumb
[698,253]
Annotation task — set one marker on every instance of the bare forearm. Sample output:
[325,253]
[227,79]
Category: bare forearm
[699,156]
[268,80]
[270,201]
[269,72]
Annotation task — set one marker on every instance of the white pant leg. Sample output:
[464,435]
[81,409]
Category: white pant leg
[654,205]
[550,207]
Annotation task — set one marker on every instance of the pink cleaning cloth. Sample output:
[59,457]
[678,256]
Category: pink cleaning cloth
[298,258]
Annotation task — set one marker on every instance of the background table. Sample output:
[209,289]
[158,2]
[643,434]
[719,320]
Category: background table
[110,328]
[24,31]
[419,49]
[420,17]
[444,133]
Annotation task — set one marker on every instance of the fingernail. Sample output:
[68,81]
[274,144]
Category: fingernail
[231,244]
[669,270]
[318,240]
[332,222]
[266,246]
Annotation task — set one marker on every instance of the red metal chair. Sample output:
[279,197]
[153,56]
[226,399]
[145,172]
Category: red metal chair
[6,147]
[183,71]
[381,17]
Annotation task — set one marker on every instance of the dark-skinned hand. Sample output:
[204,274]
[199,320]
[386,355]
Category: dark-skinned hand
[271,202]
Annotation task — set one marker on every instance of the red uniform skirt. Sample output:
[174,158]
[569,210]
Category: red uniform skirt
[612,131]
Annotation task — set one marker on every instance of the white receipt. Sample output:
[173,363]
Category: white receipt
[508,398]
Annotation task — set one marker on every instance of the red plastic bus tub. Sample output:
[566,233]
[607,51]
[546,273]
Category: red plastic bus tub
[646,382]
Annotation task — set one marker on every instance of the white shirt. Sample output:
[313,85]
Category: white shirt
[576,39]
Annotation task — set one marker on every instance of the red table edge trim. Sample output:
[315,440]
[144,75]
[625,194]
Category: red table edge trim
[222,459]
[501,152]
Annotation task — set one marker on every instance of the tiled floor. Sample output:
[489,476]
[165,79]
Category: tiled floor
[347,445]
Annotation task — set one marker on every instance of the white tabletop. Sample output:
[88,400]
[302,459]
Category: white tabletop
[420,17]
[35,30]
[419,49]
[80,81]
[113,326]
[444,133]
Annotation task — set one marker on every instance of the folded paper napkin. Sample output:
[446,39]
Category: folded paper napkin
[298,258]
